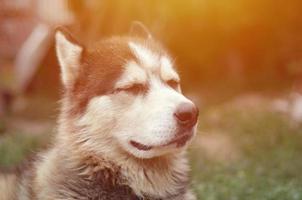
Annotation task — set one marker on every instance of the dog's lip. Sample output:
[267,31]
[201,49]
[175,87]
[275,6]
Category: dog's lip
[179,141]
[140,146]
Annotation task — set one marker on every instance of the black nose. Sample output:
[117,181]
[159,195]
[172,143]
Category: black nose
[186,114]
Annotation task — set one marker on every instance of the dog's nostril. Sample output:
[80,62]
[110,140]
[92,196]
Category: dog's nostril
[186,114]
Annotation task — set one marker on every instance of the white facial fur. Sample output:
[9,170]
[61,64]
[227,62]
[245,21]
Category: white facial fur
[133,74]
[145,118]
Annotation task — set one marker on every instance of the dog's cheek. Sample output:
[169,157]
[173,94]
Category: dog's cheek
[108,115]
[99,114]
[128,121]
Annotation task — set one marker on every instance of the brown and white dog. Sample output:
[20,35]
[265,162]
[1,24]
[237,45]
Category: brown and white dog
[123,129]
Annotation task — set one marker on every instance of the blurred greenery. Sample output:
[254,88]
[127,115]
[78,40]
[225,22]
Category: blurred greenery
[269,164]
[16,147]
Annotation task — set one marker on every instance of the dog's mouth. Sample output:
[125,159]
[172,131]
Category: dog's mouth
[179,141]
[140,146]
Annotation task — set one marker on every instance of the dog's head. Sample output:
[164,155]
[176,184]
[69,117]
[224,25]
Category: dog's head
[125,92]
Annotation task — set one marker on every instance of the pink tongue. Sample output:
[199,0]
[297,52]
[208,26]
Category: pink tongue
[140,146]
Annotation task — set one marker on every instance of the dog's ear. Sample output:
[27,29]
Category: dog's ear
[138,29]
[69,53]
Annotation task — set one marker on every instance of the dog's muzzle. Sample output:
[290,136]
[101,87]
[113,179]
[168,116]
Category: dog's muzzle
[186,116]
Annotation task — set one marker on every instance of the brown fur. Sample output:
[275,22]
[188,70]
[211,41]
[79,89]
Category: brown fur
[100,68]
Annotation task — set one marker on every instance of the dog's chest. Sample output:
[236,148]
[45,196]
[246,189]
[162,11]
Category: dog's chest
[104,185]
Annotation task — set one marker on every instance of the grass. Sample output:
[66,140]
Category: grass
[268,166]
[14,147]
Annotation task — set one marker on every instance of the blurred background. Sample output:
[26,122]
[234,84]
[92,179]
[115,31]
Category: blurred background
[240,61]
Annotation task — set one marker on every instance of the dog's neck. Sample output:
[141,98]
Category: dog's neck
[155,178]
[158,178]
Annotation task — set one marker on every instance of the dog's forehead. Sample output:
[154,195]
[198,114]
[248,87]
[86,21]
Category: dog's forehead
[153,58]
[149,58]
[116,53]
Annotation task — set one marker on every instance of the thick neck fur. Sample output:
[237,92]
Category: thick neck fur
[163,177]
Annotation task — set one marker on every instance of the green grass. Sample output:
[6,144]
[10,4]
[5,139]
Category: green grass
[14,147]
[268,168]
[270,164]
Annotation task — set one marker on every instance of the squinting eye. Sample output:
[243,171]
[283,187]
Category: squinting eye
[173,84]
[134,89]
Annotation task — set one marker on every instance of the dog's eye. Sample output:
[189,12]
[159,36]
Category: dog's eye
[135,88]
[173,83]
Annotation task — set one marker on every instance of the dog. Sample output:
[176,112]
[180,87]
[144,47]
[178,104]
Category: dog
[123,128]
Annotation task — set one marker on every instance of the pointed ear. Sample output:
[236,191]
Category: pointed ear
[69,53]
[138,29]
